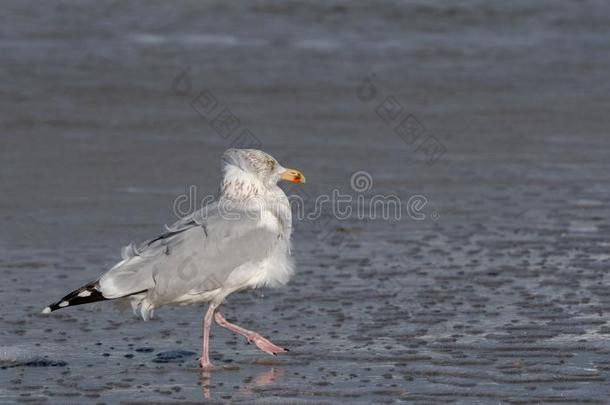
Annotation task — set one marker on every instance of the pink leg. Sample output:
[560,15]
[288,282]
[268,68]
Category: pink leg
[262,343]
[204,361]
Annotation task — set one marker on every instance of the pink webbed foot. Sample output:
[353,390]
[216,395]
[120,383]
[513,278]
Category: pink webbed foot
[265,345]
[205,364]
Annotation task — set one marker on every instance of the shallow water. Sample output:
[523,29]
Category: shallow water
[498,295]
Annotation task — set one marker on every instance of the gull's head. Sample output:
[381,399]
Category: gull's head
[250,167]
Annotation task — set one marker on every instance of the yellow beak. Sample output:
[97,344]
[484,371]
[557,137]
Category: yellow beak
[293,175]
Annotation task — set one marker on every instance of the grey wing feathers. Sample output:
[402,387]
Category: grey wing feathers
[196,254]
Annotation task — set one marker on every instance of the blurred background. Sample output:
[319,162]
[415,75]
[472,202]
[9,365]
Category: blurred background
[496,113]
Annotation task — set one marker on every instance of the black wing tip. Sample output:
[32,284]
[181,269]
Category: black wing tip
[84,295]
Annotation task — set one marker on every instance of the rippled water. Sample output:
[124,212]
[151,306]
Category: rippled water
[498,295]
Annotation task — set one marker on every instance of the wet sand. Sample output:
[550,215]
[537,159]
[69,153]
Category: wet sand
[498,296]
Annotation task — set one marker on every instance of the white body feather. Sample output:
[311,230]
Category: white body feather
[241,241]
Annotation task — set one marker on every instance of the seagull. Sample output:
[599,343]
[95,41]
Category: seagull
[239,241]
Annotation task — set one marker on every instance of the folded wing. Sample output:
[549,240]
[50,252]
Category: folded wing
[196,255]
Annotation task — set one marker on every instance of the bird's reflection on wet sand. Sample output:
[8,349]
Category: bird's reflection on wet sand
[261,379]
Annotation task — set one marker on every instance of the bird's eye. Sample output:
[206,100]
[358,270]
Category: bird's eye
[270,165]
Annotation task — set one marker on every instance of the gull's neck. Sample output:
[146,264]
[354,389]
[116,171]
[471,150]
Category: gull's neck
[247,190]
[238,185]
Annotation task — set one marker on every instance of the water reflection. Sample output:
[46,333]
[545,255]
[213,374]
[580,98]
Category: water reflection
[260,380]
